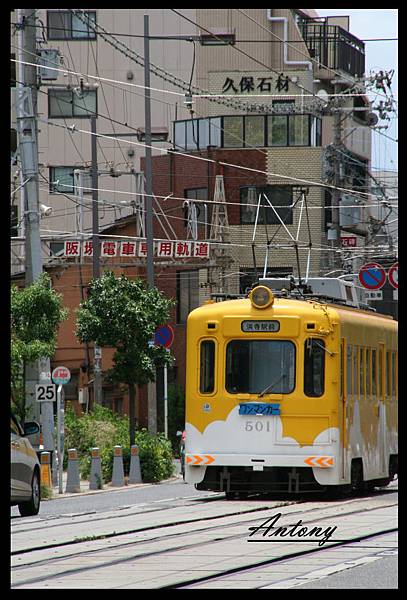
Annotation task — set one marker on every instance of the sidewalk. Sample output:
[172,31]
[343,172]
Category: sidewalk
[107,487]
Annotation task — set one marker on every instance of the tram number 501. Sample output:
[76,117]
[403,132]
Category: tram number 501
[257,426]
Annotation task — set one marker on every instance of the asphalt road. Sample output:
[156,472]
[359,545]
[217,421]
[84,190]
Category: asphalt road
[113,499]
[382,574]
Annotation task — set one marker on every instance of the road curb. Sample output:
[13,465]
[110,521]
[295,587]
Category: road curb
[107,488]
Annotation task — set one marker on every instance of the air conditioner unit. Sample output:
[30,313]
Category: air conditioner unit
[83,395]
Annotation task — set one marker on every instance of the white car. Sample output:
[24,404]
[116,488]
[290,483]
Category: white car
[25,469]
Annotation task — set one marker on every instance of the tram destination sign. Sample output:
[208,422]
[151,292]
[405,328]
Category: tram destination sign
[260,326]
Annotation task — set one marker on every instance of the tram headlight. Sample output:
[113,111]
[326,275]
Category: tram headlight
[261,297]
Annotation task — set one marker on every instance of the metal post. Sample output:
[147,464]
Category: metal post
[165,402]
[60,435]
[151,388]
[97,362]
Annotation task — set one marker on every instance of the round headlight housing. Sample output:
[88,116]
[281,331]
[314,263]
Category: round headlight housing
[261,297]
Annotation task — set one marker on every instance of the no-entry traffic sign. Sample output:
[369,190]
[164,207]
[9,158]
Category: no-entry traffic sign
[394,275]
[164,336]
[372,276]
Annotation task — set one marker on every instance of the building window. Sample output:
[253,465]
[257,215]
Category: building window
[56,249]
[202,216]
[192,134]
[187,293]
[277,130]
[281,197]
[66,104]
[14,220]
[254,132]
[233,132]
[13,71]
[61,180]
[249,131]
[298,130]
[314,367]
[63,25]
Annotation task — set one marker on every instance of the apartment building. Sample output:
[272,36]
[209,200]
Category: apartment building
[264,140]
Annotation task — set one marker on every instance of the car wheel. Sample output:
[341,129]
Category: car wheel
[30,508]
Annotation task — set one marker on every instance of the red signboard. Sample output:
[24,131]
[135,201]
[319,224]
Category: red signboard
[348,242]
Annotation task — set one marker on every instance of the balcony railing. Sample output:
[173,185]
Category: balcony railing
[334,47]
[247,131]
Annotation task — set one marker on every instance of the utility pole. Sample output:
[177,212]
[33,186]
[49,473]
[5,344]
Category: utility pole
[337,130]
[26,111]
[151,387]
[97,356]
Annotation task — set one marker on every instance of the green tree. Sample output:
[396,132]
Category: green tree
[36,313]
[124,314]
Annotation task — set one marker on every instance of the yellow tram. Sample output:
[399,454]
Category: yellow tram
[290,394]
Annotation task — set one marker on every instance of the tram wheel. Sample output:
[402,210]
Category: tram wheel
[236,495]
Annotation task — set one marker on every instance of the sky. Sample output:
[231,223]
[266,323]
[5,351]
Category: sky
[380,55]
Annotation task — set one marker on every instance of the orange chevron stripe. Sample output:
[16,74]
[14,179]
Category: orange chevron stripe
[198,459]
[310,461]
[210,459]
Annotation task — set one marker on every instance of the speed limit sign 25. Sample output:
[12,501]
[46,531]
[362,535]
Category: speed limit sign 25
[45,392]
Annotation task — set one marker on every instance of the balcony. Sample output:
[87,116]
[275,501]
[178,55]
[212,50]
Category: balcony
[333,47]
[247,131]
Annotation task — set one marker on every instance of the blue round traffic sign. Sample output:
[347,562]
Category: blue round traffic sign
[372,276]
[164,336]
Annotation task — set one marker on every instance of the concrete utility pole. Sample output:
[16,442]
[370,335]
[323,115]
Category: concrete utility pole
[337,130]
[97,357]
[26,111]
[151,387]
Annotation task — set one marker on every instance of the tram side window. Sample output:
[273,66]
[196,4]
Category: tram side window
[388,374]
[380,372]
[314,367]
[355,370]
[393,373]
[349,370]
[207,367]
[374,373]
[368,372]
[361,372]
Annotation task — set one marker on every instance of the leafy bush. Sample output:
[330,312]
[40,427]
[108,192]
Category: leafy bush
[104,429]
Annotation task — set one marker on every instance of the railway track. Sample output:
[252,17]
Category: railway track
[170,540]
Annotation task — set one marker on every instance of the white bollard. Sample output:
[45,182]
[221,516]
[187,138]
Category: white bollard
[118,471]
[95,482]
[73,483]
[135,470]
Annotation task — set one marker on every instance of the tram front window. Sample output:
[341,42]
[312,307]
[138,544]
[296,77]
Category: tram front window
[252,365]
